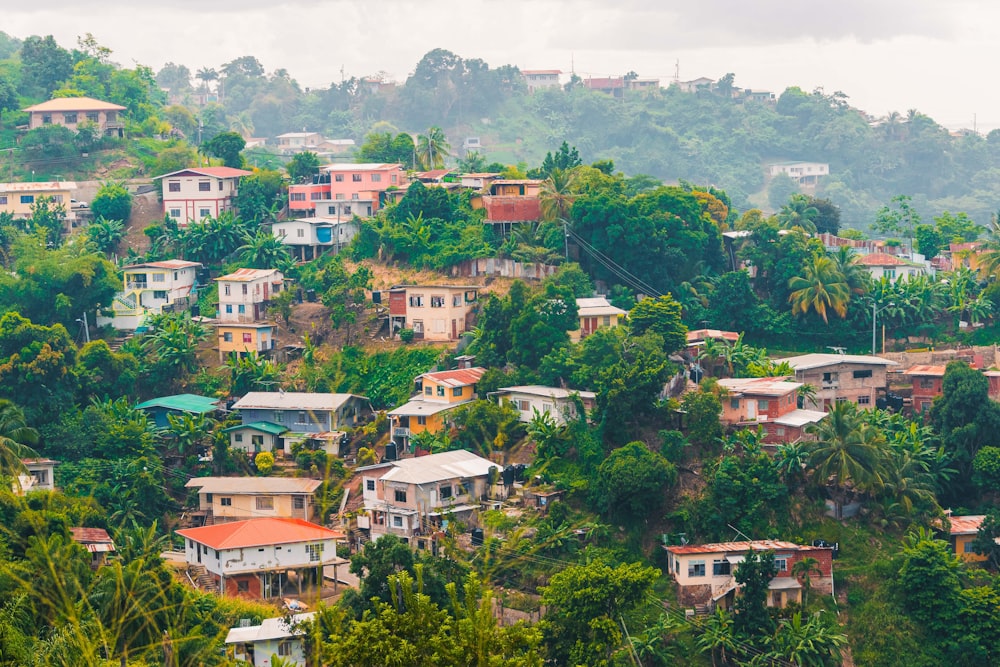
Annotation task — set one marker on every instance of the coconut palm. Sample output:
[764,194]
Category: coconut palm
[16,438]
[718,637]
[432,149]
[556,194]
[820,288]
[105,234]
[242,124]
[264,251]
[855,275]
[803,571]
[798,212]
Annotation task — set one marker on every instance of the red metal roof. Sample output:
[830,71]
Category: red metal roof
[90,535]
[882,259]
[926,370]
[458,377]
[217,172]
[258,533]
[965,525]
[737,547]
[604,82]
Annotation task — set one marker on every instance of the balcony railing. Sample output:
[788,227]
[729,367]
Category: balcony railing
[401,433]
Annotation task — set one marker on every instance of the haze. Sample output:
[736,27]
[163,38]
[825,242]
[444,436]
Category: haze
[885,54]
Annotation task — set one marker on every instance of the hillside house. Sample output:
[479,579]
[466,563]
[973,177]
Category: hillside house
[558,403]
[696,339]
[222,499]
[804,173]
[277,419]
[411,497]
[770,402]
[841,377]
[308,238]
[609,85]
[193,194]
[179,404]
[17,199]
[478,181]
[436,394]
[704,572]
[38,475]
[928,383]
[96,541]
[297,142]
[256,437]
[253,558]
[348,189]
[148,289]
[433,312]
[962,530]
[883,265]
[538,79]
[595,313]
[282,637]
[75,112]
[694,85]
[245,338]
[510,201]
[245,293]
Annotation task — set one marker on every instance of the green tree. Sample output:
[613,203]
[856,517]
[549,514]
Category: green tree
[302,167]
[985,542]
[44,65]
[16,439]
[345,294]
[113,201]
[105,234]
[227,147]
[930,582]
[803,570]
[964,417]
[754,575]
[632,481]
[49,216]
[662,315]
[264,251]
[798,212]
[433,149]
[820,288]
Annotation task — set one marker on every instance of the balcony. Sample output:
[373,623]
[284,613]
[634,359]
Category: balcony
[136,284]
[400,432]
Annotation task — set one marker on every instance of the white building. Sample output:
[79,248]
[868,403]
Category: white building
[308,238]
[541,78]
[40,476]
[282,637]
[883,265]
[193,194]
[148,288]
[558,403]
[244,294]
[806,173]
[296,142]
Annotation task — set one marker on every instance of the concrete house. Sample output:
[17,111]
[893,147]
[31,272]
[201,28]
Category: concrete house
[595,313]
[148,288]
[841,377]
[437,393]
[537,79]
[883,265]
[928,383]
[558,403]
[770,402]
[510,201]
[72,112]
[805,173]
[179,404]
[297,142]
[17,199]
[242,325]
[704,572]
[308,238]
[351,189]
[962,530]
[96,541]
[434,312]
[222,499]
[253,558]
[290,416]
[193,194]
[282,637]
[410,497]
[39,475]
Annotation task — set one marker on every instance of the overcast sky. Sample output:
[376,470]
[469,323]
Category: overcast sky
[887,55]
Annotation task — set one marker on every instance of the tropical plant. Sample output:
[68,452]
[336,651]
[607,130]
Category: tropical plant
[16,438]
[433,149]
[798,212]
[556,195]
[802,571]
[820,288]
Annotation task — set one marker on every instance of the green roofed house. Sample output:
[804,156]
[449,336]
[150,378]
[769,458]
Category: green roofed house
[179,404]
[255,437]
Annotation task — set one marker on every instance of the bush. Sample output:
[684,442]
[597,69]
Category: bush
[264,462]
[406,335]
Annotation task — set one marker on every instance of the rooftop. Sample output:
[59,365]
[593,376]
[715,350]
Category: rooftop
[799,418]
[883,259]
[37,186]
[438,467]
[966,525]
[215,172]
[363,166]
[418,407]
[805,362]
[258,533]
[598,305]
[262,426]
[737,547]
[297,135]
[767,386]
[541,71]
[249,275]
[460,377]
[96,540]
[699,335]
[292,400]
[75,104]
[241,485]
[271,628]
[166,264]
[192,403]
[551,392]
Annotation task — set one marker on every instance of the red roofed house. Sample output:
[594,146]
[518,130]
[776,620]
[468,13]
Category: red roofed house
[768,402]
[928,380]
[436,394]
[193,194]
[96,541]
[71,112]
[614,86]
[962,530]
[704,572]
[434,312]
[253,558]
[883,265]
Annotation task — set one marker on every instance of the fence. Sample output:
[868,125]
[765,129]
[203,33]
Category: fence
[505,268]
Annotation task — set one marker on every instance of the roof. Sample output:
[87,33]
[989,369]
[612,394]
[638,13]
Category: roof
[182,403]
[699,335]
[259,532]
[271,628]
[926,370]
[883,259]
[805,362]
[421,408]
[551,392]
[438,467]
[241,485]
[297,135]
[76,104]
[39,462]
[799,418]
[248,275]
[262,426]
[604,82]
[363,166]
[737,547]
[37,186]
[166,264]
[92,536]
[966,525]
[541,71]
[434,173]
[460,377]
[315,220]
[766,386]
[215,172]
[292,400]
[593,306]
[458,287]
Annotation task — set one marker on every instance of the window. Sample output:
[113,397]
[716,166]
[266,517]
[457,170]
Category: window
[204,212]
[226,502]
[354,195]
[204,186]
[46,118]
[220,186]
[239,436]
[300,417]
[607,320]
[456,300]
[417,300]
[397,522]
[440,391]
[159,277]
[696,568]
[314,196]
[225,288]
[339,196]
[241,309]
[159,294]
[93,116]
[315,552]
[3,199]
[445,492]
[780,563]
[862,374]
[173,186]
[926,383]
[762,404]
[57,199]
[418,326]
[27,199]
[779,430]
[925,406]
[111,116]
[369,485]
[734,403]
[247,337]
[339,178]
[296,196]
[347,210]
[831,378]
[298,503]
[376,178]
[356,178]
[229,308]
[422,420]
[244,288]
[864,400]
[400,495]
[522,405]
[394,178]
[278,416]
[428,390]
[242,586]
[331,210]
[457,391]
[721,568]
[285,648]
[437,302]
[265,502]
[889,273]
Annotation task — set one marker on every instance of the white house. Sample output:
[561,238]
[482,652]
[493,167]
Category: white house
[148,288]
[253,558]
[883,265]
[308,238]
[40,476]
[244,294]
[282,637]
[558,403]
[541,78]
[296,142]
[806,173]
[193,194]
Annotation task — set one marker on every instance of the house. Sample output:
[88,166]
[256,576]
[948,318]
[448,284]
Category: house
[74,112]
[180,404]
[282,637]
[411,497]
[704,572]
[245,338]
[613,85]
[537,79]
[193,194]
[96,541]
[478,181]
[308,238]
[760,96]
[345,190]
[245,293]
[841,377]
[696,339]
[595,313]
[436,394]
[330,147]
[804,173]
[694,85]
[928,380]
[558,403]
[253,558]
[274,420]
[222,499]
[770,402]
[962,530]
[433,312]
[834,243]
[642,84]
[883,265]
[148,289]
[41,475]
[509,201]
[297,142]
[17,199]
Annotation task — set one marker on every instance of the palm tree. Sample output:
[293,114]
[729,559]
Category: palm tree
[432,149]
[242,124]
[105,234]
[798,212]
[264,251]
[718,637]
[803,571]
[556,195]
[820,288]
[855,275]
[15,439]
[206,74]
[807,396]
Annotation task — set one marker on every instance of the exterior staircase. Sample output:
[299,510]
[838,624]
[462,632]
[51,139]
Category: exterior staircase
[202,578]
[116,343]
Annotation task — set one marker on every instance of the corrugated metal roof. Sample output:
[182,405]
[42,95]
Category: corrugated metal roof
[259,533]
[271,628]
[37,186]
[166,264]
[460,377]
[594,306]
[737,547]
[253,485]
[804,362]
[766,386]
[182,403]
[799,418]
[75,104]
[214,172]
[249,275]
[704,334]
[438,467]
[292,400]
[421,408]
[92,536]
[549,392]
[925,369]
[966,525]
[363,166]
[263,427]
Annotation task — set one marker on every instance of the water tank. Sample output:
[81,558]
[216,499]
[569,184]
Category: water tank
[390,452]
[477,537]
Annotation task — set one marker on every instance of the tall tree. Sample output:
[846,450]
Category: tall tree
[16,439]
[820,288]
[302,167]
[226,146]
[433,149]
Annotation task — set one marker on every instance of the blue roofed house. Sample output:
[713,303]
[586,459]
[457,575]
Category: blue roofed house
[179,404]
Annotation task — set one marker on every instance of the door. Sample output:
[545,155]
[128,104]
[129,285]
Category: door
[751,410]
[454,329]
[198,548]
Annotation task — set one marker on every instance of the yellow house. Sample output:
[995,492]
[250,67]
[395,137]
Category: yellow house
[222,499]
[245,338]
[436,394]
[962,531]
[595,313]
[18,198]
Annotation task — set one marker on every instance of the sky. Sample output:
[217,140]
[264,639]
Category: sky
[886,55]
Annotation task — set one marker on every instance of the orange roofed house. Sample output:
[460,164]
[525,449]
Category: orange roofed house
[962,530]
[928,380]
[72,112]
[253,558]
[436,394]
[768,402]
[193,194]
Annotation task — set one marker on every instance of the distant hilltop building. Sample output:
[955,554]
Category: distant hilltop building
[541,78]
[805,173]
[71,112]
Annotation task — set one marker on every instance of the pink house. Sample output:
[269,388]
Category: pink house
[346,190]
[770,402]
[193,194]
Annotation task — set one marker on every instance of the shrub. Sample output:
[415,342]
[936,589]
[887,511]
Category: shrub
[264,462]
[406,335]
